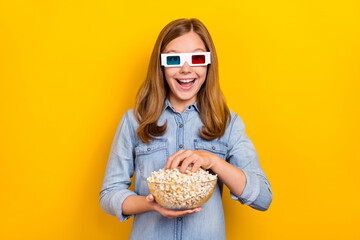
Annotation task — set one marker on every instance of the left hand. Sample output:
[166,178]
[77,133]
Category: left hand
[184,158]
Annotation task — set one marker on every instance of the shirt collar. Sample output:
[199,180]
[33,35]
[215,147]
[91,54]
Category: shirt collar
[168,105]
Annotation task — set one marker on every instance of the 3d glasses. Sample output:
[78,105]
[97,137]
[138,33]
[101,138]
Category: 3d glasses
[178,59]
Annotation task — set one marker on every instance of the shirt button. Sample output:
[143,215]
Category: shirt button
[181,146]
[213,148]
[149,149]
[179,218]
[180,126]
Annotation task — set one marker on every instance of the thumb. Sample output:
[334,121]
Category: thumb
[150,198]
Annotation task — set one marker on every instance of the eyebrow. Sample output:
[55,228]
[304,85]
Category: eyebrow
[195,50]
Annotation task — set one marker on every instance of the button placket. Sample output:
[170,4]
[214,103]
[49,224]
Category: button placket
[179,228]
[180,131]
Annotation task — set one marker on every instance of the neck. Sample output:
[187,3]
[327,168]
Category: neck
[180,105]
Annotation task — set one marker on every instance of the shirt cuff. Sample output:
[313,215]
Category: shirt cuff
[116,201]
[251,190]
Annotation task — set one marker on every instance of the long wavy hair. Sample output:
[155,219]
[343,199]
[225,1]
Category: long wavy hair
[151,96]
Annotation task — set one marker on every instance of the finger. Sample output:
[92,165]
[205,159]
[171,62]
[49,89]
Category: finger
[192,211]
[170,159]
[196,166]
[150,198]
[179,158]
[179,213]
[198,209]
[186,162]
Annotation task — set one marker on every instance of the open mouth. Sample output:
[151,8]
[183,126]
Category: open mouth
[186,83]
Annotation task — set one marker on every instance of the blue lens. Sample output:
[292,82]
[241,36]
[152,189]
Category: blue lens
[173,60]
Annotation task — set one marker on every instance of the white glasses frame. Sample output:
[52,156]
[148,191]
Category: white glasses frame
[185,57]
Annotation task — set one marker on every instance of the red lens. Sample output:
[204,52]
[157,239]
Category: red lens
[198,59]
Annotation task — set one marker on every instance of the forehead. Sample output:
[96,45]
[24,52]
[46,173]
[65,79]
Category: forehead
[189,42]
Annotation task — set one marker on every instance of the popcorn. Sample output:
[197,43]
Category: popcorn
[176,190]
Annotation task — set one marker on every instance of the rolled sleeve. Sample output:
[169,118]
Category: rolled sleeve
[251,190]
[119,170]
[242,154]
[114,201]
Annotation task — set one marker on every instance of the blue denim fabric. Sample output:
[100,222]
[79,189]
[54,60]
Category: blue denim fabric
[128,155]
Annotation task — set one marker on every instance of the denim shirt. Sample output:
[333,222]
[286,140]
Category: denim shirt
[129,155]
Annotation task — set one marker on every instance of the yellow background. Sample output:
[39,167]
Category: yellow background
[70,69]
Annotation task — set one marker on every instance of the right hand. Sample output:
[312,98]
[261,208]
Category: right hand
[168,212]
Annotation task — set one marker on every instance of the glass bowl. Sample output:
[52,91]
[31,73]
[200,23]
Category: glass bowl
[184,195]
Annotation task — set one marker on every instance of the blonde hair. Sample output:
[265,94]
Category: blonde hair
[151,96]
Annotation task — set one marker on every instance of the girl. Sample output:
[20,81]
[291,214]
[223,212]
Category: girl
[180,120]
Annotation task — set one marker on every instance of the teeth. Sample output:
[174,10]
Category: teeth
[186,81]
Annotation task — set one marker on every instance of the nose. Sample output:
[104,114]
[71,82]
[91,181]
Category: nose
[185,68]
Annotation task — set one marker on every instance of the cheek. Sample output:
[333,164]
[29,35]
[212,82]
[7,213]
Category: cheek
[169,73]
[202,75]
[202,72]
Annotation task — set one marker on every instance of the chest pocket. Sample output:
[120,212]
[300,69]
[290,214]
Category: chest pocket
[216,147]
[151,157]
